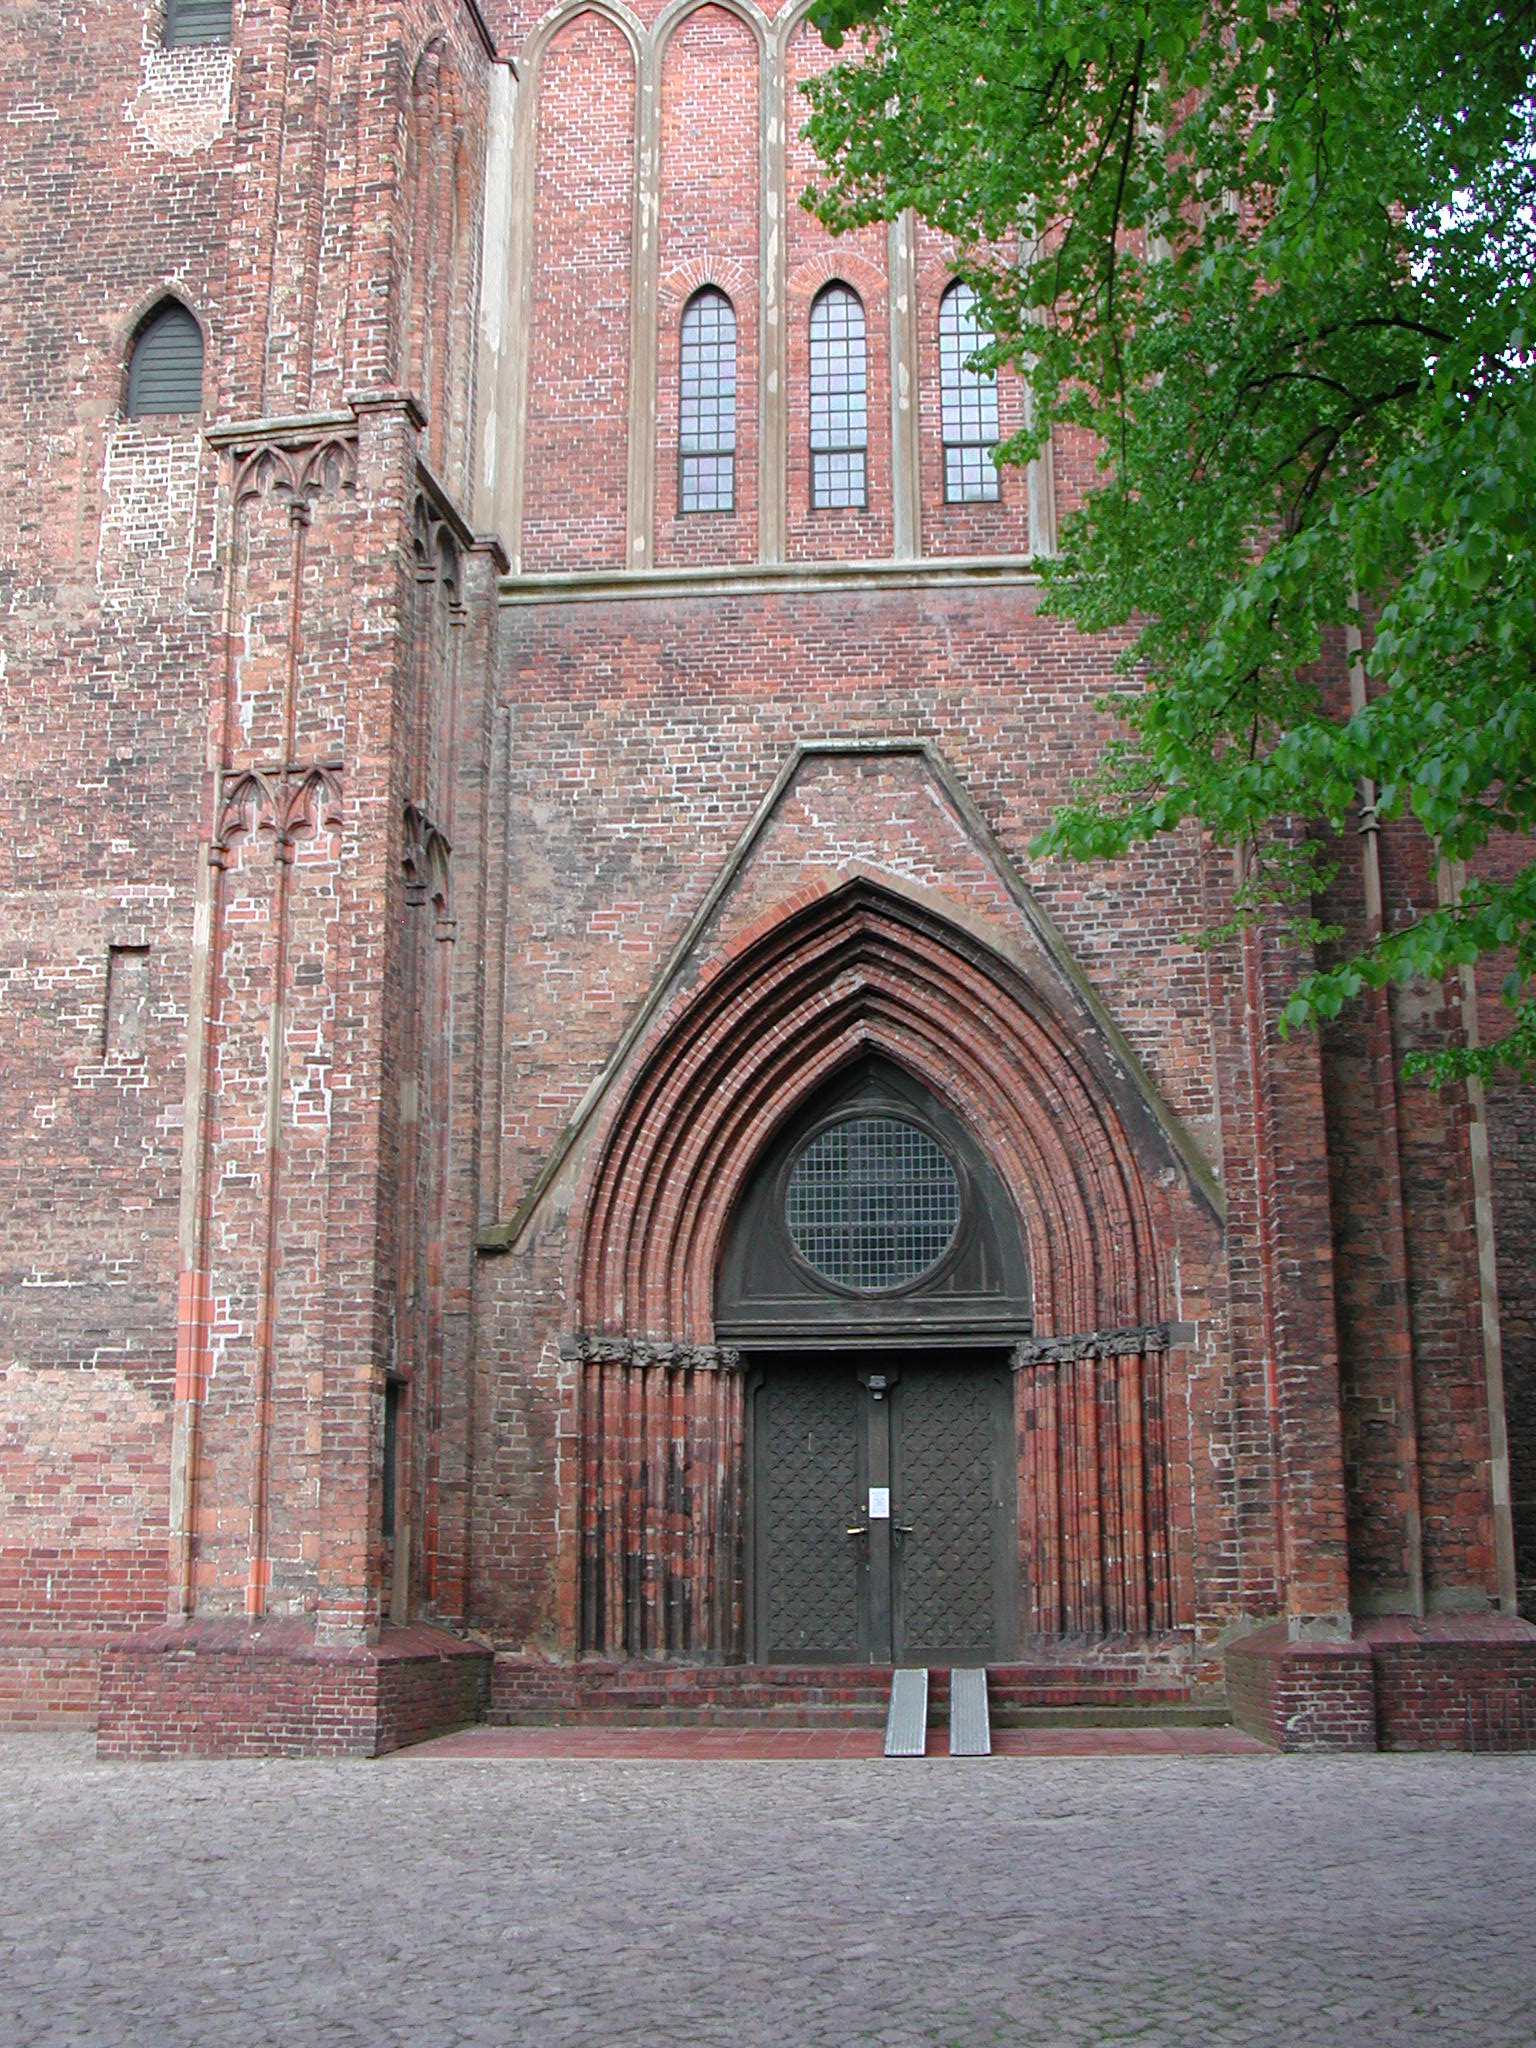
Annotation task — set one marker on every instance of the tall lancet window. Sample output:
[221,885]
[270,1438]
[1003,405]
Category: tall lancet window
[706,440]
[967,401]
[839,400]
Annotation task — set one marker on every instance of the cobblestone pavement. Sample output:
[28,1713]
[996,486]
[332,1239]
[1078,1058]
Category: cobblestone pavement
[1186,1900]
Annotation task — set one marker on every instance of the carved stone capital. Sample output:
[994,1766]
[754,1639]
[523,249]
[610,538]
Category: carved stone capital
[1134,1338]
[593,1350]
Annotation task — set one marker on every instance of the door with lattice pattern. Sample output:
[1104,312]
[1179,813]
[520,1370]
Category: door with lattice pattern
[810,1576]
[884,1512]
[954,1552]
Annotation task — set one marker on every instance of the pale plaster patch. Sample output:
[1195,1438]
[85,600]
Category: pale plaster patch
[149,505]
[185,98]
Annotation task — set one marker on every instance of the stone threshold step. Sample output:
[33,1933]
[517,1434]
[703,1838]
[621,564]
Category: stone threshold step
[1021,1697]
[868,1715]
[1068,1716]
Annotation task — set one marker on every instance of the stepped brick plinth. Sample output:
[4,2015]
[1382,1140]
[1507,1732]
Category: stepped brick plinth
[223,1688]
[1449,1682]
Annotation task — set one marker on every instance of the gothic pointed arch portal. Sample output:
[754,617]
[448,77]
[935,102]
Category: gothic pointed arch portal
[862,980]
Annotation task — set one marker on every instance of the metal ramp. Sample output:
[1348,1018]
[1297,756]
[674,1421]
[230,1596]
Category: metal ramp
[906,1722]
[970,1727]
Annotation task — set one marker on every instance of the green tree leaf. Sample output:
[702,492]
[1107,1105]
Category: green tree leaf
[1280,261]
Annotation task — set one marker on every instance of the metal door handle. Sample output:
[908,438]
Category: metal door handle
[858,1529]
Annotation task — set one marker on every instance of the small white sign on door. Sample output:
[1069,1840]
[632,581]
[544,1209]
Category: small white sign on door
[879,1503]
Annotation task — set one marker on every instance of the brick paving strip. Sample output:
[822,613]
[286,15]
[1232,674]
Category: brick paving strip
[1173,1901]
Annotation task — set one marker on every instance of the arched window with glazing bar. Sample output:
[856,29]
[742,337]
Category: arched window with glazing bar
[839,400]
[706,440]
[967,401]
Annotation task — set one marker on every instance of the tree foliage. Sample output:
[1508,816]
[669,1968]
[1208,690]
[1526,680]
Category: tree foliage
[1281,261]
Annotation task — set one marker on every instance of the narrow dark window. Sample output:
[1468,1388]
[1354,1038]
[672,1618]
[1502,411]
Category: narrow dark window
[196,21]
[165,371]
[967,401]
[394,1393]
[839,400]
[706,441]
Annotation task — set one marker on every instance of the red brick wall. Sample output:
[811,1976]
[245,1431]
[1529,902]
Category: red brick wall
[997,527]
[314,197]
[578,369]
[1511,1113]
[49,1679]
[1512,1146]
[1405,1261]
[1302,1696]
[114,186]
[1443,1303]
[1463,1684]
[650,733]
[438,262]
[1361,1085]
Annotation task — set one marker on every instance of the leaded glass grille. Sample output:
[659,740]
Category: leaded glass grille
[707,411]
[872,1203]
[839,400]
[968,401]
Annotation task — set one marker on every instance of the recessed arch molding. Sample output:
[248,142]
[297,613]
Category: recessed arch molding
[859,971]
[844,976]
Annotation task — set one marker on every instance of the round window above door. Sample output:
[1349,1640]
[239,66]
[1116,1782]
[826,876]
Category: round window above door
[873,1214]
[872,1203]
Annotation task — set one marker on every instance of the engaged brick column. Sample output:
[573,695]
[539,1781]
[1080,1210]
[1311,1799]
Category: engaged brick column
[287,1306]
[1286,1440]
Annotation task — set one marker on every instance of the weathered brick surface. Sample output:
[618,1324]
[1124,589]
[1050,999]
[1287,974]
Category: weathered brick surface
[1465,1682]
[986,527]
[180,615]
[1452,1682]
[1511,1123]
[814,259]
[1406,1266]
[49,1677]
[650,731]
[1113,1676]
[1512,1146]
[110,606]
[578,345]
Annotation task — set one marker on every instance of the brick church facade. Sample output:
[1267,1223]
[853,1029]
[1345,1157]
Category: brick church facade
[561,1152]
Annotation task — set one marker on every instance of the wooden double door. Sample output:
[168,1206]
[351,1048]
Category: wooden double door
[883,1525]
